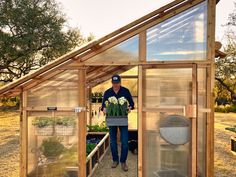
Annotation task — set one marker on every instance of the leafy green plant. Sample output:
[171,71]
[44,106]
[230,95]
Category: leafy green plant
[89,148]
[93,98]
[66,121]
[52,147]
[98,128]
[42,122]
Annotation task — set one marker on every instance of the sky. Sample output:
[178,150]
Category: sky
[101,17]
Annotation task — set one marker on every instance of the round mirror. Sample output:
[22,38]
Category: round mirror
[175,129]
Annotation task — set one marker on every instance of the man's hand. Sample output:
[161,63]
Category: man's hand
[129,109]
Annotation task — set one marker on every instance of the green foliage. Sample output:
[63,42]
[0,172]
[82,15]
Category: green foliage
[66,121]
[13,101]
[89,148]
[33,33]
[42,122]
[52,147]
[225,86]
[46,121]
[225,109]
[98,128]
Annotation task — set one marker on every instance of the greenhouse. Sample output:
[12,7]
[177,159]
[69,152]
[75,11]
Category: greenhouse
[166,58]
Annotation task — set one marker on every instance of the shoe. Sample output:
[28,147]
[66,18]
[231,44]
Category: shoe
[124,166]
[114,164]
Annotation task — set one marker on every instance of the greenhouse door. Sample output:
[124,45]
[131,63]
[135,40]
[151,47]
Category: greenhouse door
[167,123]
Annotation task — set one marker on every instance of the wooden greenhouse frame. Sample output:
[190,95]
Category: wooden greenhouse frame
[91,74]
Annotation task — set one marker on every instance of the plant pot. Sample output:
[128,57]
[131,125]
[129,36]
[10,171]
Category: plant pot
[116,121]
[233,144]
[99,100]
[62,130]
[93,100]
[44,131]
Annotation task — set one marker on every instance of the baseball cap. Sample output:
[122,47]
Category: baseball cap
[115,79]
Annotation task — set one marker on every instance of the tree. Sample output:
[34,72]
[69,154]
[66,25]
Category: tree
[226,67]
[32,33]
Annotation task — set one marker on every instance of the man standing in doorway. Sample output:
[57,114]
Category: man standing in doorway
[118,91]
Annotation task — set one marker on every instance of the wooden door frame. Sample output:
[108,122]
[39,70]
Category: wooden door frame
[192,116]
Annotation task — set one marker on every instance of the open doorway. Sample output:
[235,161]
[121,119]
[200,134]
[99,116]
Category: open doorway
[96,121]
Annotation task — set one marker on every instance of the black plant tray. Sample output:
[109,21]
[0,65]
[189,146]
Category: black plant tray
[117,120]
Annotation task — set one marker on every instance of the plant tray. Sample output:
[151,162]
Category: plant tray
[44,131]
[233,144]
[117,121]
[64,130]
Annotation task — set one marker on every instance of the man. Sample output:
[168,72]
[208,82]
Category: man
[118,91]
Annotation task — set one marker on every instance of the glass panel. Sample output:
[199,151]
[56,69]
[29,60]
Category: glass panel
[61,91]
[169,89]
[182,37]
[124,52]
[52,144]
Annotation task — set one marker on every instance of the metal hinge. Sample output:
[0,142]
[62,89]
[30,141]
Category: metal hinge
[80,109]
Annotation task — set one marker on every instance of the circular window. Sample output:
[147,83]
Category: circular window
[174,129]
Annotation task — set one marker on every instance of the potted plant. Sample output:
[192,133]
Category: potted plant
[65,126]
[100,96]
[93,98]
[52,148]
[98,128]
[44,126]
[116,111]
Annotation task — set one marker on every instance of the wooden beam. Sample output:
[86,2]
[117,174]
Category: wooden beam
[82,122]
[107,76]
[193,144]
[210,86]
[135,63]
[140,122]
[23,136]
[142,46]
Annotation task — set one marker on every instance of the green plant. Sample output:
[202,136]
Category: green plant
[52,147]
[98,128]
[66,121]
[89,148]
[42,122]
[225,109]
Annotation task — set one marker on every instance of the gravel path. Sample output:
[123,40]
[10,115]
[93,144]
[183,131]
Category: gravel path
[225,161]
[104,169]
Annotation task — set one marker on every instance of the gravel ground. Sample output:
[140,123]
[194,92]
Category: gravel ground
[225,161]
[9,144]
[104,169]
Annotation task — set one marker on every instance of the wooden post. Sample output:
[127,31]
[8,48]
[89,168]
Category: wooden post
[142,57]
[210,86]
[23,135]
[140,122]
[90,107]
[193,145]
[82,122]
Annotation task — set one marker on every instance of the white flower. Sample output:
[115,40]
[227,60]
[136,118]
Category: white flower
[113,100]
[122,100]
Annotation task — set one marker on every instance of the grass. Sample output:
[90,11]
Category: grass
[225,161]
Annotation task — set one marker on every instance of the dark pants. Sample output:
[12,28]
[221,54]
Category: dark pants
[124,143]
